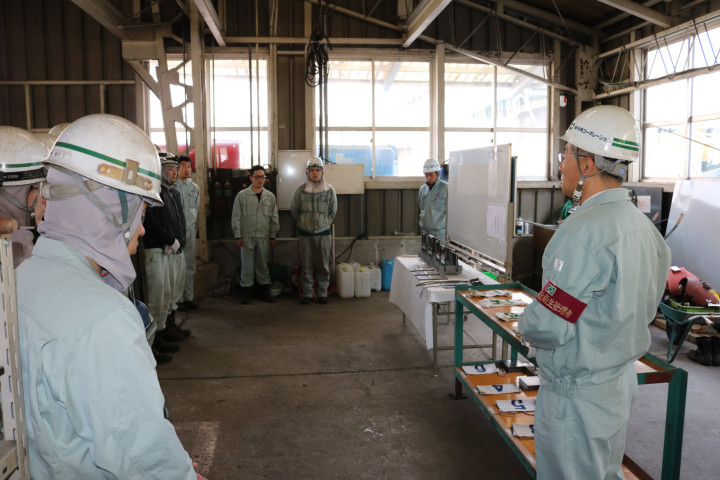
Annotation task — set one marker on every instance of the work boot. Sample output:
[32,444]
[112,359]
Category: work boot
[244,295]
[191,304]
[704,353]
[162,345]
[266,294]
[161,357]
[171,334]
[322,300]
[173,329]
[306,300]
[715,341]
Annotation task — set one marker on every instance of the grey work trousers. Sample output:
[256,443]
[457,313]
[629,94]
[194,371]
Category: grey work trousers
[254,255]
[176,277]
[315,262]
[189,252]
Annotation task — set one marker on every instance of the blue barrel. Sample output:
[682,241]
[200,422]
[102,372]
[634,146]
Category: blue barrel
[387,269]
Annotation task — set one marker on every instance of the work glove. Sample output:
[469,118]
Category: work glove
[170,249]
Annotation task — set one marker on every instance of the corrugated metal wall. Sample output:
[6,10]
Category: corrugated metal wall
[54,40]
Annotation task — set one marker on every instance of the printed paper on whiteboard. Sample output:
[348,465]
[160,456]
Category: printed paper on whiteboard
[497,222]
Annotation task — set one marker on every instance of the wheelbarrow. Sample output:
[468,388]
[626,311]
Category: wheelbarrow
[679,323]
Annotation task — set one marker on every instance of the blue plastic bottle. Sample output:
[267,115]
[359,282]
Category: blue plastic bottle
[387,270]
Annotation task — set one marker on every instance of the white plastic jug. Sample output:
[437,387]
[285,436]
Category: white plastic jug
[375,277]
[362,282]
[354,265]
[345,279]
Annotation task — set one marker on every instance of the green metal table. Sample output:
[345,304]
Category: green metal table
[650,370]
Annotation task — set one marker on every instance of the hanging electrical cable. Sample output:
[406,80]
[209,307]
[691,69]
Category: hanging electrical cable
[213,149]
[184,81]
[250,98]
[257,81]
[316,73]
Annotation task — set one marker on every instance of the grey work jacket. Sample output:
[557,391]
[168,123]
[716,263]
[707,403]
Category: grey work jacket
[314,212]
[253,218]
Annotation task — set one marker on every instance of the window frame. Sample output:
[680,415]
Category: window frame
[256,131]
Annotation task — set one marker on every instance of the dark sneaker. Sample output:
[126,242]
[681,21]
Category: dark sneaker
[306,300]
[172,335]
[191,304]
[162,345]
[184,332]
[322,300]
[182,307]
[161,357]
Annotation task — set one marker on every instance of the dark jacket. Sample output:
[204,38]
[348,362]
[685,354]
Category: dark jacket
[163,225]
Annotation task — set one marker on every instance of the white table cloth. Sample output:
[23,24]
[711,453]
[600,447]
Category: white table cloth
[416,301]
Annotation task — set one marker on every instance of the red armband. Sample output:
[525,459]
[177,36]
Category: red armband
[561,303]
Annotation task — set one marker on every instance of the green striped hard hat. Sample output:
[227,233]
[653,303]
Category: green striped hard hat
[606,130]
[21,157]
[112,151]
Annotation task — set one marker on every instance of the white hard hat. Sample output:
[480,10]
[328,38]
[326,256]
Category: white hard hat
[58,129]
[431,165]
[608,131]
[111,151]
[315,162]
[168,159]
[21,157]
[47,140]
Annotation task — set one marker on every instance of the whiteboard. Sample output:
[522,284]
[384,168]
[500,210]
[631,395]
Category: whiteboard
[694,242]
[345,179]
[291,173]
[480,200]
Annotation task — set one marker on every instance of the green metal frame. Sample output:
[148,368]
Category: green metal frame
[676,378]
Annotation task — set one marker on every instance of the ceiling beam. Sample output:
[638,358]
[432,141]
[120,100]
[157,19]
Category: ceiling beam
[640,11]
[517,21]
[623,16]
[106,14]
[498,63]
[422,16]
[207,10]
[548,17]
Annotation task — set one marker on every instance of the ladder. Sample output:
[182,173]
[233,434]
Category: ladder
[13,446]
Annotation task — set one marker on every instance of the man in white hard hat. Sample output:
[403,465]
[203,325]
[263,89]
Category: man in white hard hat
[21,173]
[190,195]
[313,207]
[432,200]
[604,272]
[255,224]
[92,399]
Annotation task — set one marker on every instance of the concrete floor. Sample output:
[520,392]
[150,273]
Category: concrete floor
[345,391]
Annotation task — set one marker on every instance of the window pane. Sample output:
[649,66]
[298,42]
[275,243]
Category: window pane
[232,105]
[705,149]
[665,151]
[668,60]
[402,94]
[705,49]
[469,99]
[231,110]
[658,106]
[530,150]
[522,101]
[456,141]
[705,95]
[349,93]
[412,148]
[350,147]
